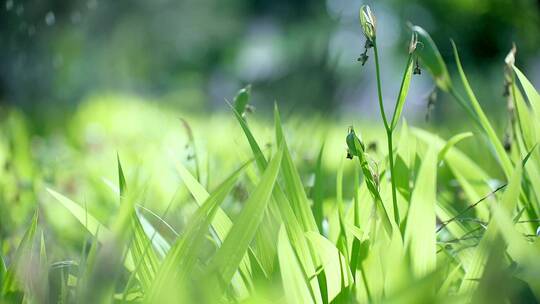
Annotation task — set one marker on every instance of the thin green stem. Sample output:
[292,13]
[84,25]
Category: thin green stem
[379,90]
[464,105]
[388,135]
[392,178]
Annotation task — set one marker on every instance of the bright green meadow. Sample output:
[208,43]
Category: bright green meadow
[132,201]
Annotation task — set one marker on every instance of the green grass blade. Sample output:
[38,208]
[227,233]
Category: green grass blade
[318,189]
[182,258]
[432,59]
[87,220]
[403,91]
[18,268]
[121,179]
[293,182]
[228,257]
[530,91]
[420,231]
[338,275]
[482,251]
[452,142]
[295,284]
[141,249]
[221,223]
[257,153]
[357,148]
[294,228]
[526,124]
[503,158]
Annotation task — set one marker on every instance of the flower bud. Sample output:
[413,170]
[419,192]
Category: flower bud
[368,22]
[354,144]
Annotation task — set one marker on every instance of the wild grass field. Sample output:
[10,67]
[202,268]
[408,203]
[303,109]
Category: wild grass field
[134,202]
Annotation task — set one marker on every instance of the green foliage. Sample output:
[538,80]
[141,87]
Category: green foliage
[266,234]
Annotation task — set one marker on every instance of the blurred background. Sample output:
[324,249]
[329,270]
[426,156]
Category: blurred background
[83,80]
[192,54]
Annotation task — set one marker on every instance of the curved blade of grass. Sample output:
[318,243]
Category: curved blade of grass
[257,153]
[141,251]
[22,254]
[469,175]
[420,231]
[530,91]
[87,220]
[221,224]
[526,124]
[295,230]
[481,252]
[432,59]
[452,142]
[295,284]
[523,253]
[182,257]
[318,192]
[3,270]
[228,257]
[403,91]
[503,158]
[292,180]
[338,275]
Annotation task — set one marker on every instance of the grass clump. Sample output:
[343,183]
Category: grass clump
[425,224]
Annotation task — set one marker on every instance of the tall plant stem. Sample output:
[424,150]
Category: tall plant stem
[388,134]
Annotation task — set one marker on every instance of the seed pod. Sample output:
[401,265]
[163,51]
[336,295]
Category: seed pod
[432,59]
[354,144]
[241,99]
[368,22]
[510,59]
[413,43]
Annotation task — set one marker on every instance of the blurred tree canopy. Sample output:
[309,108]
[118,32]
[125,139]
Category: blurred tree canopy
[194,53]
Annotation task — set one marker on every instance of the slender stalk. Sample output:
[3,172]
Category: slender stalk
[392,178]
[465,106]
[379,90]
[388,134]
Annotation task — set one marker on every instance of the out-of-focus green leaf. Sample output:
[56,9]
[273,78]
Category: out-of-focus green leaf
[490,237]
[18,266]
[452,142]
[355,145]
[403,91]
[420,232]
[530,91]
[229,256]
[292,181]
[221,223]
[432,59]
[295,282]
[503,158]
[292,223]
[182,258]
[338,275]
[317,195]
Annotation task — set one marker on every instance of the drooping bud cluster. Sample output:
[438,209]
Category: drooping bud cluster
[509,61]
[368,22]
